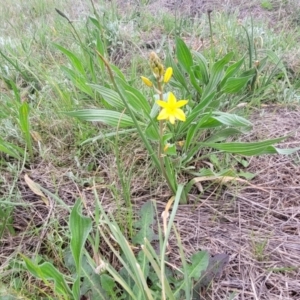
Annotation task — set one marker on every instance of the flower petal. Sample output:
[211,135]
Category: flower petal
[181,103]
[163,115]
[171,99]
[179,114]
[162,103]
[172,119]
[168,75]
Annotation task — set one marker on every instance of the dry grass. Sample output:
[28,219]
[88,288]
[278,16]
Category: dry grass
[258,226]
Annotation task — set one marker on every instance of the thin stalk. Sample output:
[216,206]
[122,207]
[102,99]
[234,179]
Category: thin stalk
[209,11]
[145,140]
[160,146]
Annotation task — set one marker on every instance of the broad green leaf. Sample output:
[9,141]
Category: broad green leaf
[146,220]
[196,112]
[46,272]
[108,117]
[249,149]
[76,62]
[108,284]
[194,130]
[110,96]
[231,71]
[222,135]
[183,54]
[152,132]
[217,73]
[171,150]
[194,82]
[135,98]
[200,68]
[177,74]
[235,85]
[78,80]
[199,263]
[231,119]
[80,227]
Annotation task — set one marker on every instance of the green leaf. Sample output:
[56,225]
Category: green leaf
[78,80]
[217,72]
[249,149]
[235,85]
[177,74]
[200,69]
[231,71]
[80,227]
[199,263]
[144,224]
[76,62]
[25,125]
[47,271]
[231,120]
[222,135]
[183,54]
[110,96]
[135,98]
[196,113]
[10,149]
[108,284]
[108,117]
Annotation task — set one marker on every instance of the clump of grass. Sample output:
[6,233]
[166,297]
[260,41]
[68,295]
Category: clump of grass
[52,67]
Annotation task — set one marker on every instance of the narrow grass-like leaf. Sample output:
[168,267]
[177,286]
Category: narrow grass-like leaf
[25,126]
[10,149]
[76,62]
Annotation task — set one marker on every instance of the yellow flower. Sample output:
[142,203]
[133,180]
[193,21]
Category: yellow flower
[147,81]
[171,110]
[168,75]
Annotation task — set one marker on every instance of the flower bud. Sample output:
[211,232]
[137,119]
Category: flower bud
[168,75]
[147,81]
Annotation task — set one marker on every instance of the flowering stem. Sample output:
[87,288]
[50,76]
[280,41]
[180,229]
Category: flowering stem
[144,138]
[161,143]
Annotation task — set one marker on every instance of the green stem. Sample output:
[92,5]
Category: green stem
[161,145]
[142,135]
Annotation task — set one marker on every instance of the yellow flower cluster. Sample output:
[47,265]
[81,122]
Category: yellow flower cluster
[171,108]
